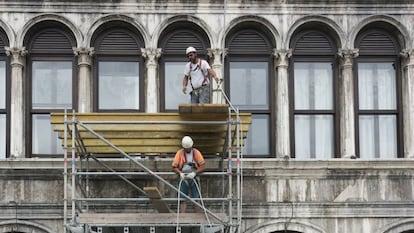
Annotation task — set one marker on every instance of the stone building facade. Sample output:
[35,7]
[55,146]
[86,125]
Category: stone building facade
[330,85]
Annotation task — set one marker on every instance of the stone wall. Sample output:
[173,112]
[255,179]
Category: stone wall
[341,196]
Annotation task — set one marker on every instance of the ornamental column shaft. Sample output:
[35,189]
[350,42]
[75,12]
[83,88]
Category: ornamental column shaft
[152,83]
[216,54]
[408,102]
[18,105]
[346,104]
[282,103]
[85,90]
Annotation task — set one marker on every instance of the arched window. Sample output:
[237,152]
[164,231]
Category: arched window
[378,94]
[313,92]
[248,72]
[175,39]
[4,97]
[118,69]
[51,83]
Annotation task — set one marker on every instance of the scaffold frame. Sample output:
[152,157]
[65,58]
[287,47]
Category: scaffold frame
[231,223]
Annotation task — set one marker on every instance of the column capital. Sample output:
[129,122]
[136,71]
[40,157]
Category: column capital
[216,53]
[408,56]
[151,54]
[84,55]
[17,55]
[347,56]
[282,56]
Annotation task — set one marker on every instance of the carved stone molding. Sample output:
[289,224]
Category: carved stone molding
[17,56]
[282,57]
[84,55]
[152,55]
[347,56]
[408,57]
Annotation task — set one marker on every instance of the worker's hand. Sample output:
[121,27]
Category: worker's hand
[217,80]
[182,176]
[185,90]
[191,175]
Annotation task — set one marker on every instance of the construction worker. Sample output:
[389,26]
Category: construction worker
[198,71]
[188,163]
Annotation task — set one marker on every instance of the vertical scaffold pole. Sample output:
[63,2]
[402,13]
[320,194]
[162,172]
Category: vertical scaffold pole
[65,171]
[73,166]
[238,170]
[229,172]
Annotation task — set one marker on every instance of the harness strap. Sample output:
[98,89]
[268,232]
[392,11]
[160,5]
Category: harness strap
[185,157]
[199,65]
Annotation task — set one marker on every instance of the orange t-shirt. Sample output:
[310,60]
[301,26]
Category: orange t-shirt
[180,159]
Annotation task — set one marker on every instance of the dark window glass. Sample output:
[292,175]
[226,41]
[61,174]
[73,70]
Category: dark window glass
[51,68]
[378,93]
[313,94]
[248,82]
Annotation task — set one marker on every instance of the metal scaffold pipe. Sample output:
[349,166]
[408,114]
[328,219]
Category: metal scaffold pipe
[147,170]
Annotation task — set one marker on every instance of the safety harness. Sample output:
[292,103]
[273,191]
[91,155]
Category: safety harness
[198,66]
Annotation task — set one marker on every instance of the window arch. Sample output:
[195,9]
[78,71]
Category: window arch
[175,39]
[5,87]
[51,83]
[378,93]
[313,92]
[248,72]
[119,68]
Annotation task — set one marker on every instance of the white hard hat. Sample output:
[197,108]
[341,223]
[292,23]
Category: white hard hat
[187,142]
[190,50]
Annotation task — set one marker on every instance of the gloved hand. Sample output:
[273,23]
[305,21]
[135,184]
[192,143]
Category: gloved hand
[191,175]
[182,176]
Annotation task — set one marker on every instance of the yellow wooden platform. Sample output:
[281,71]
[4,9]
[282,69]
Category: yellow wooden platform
[156,133]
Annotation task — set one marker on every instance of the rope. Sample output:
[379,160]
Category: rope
[178,230]
[202,203]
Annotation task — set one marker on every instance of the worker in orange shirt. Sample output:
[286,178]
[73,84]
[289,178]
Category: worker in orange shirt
[188,163]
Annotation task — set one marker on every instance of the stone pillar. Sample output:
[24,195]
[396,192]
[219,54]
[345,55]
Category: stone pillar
[152,84]
[407,102]
[18,105]
[216,54]
[282,103]
[346,109]
[85,79]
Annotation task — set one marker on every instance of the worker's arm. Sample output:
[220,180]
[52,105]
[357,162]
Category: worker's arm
[200,169]
[213,74]
[176,170]
[185,83]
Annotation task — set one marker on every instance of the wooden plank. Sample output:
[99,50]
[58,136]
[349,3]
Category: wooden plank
[156,200]
[150,117]
[147,135]
[152,134]
[149,149]
[203,108]
[146,218]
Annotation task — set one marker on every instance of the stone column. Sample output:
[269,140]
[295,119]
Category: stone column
[85,79]
[407,102]
[346,109]
[282,103]
[18,105]
[152,84]
[216,54]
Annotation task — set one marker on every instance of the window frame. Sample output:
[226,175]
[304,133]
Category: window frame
[271,96]
[397,112]
[119,58]
[174,51]
[111,53]
[6,111]
[31,111]
[334,111]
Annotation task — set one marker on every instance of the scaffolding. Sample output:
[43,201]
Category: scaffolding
[80,218]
